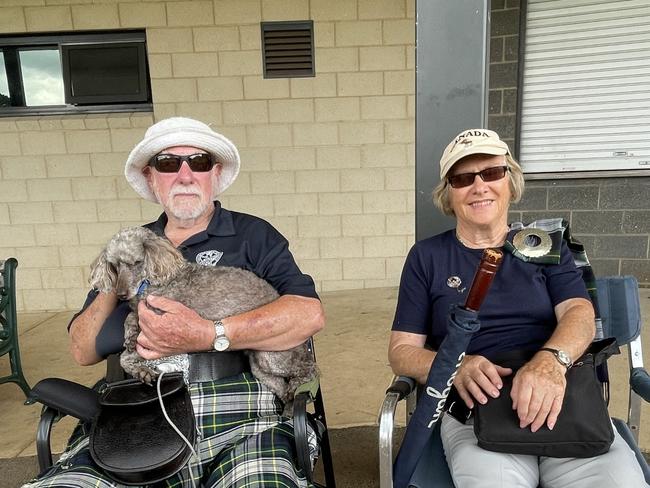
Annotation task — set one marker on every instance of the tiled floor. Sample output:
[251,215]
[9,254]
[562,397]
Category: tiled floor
[351,353]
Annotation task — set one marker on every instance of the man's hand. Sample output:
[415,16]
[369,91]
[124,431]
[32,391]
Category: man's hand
[177,330]
[477,377]
[538,390]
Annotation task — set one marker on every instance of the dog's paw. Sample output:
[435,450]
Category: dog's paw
[145,374]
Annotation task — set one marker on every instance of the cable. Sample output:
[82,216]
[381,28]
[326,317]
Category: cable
[169,421]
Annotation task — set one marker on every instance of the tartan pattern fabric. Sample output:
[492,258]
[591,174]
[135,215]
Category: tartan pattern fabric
[243,441]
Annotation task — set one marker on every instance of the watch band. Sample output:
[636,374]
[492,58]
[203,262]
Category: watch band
[561,356]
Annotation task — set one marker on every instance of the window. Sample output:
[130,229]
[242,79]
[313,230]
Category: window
[68,73]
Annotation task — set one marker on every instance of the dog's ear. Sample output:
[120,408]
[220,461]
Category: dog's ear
[102,274]
[161,260]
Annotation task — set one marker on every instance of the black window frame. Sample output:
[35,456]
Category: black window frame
[11,44]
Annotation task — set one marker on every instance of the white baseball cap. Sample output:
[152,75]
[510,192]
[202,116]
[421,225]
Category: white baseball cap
[468,142]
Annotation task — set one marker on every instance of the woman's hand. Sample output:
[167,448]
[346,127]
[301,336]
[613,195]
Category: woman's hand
[538,390]
[177,330]
[477,378]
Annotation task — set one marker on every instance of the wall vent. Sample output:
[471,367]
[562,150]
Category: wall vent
[288,49]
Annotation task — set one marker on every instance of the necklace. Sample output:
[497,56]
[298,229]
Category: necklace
[471,247]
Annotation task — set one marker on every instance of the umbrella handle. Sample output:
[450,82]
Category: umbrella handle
[487,268]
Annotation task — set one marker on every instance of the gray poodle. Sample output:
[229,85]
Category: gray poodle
[137,254]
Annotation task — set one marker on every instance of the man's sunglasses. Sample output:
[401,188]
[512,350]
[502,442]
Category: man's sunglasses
[171,163]
[488,174]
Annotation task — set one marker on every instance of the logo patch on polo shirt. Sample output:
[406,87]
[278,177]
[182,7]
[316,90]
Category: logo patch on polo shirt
[209,258]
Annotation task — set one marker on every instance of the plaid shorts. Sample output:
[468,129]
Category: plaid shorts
[243,441]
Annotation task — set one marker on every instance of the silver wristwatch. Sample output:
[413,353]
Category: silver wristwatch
[562,357]
[221,341]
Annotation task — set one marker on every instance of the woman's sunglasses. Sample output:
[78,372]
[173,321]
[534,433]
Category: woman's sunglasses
[171,163]
[488,174]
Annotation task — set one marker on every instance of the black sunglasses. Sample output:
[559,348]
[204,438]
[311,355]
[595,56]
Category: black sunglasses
[171,163]
[488,174]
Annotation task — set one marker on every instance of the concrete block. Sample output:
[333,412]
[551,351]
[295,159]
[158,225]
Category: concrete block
[340,203]
[208,112]
[48,190]
[400,178]
[328,157]
[88,141]
[362,180]
[626,246]
[324,35]
[44,300]
[306,204]
[273,182]
[511,47]
[98,121]
[503,75]
[195,64]
[259,205]
[636,267]
[399,82]
[385,202]
[240,63]
[305,248]
[29,279]
[37,257]
[236,133]
[322,85]
[28,124]
[31,213]
[246,112]
[383,107]
[400,130]
[241,186]
[48,19]
[494,102]
[383,155]
[333,10]
[8,125]
[95,17]
[341,285]
[97,233]
[319,225]
[293,158]
[256,159]
[341,247]
[358,33]
[337,59]
[317,181]
[12,19]
[42,143]
[72,212]
[285,9]
[336,109]
[364,268]
[62,278]
[214,39]
[189,14]
[315,134]
[17,235]
[382,58]
[142,15]
[400,224]
[118,210]
[360,84]
[628,195]
[94,188]
[81,256]
[4,214]
[287,226]
[22,167]
[322,269]
[596,222]
[364,132]
[363,225]
[150,211]
[572,198]
[272,135]
[74,297]
[383,246]
[399,31]
[10,144]
[169,40]
[56,234]
[256,87]
[73,123]
[119,121]
[504,22]
[174,90]
[410,57]
[250,37]
[237,12]
[124,140]
[300,110]
[636,222]
[223,88]
[382,9]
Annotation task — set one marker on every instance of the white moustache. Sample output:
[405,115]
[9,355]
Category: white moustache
[177,190]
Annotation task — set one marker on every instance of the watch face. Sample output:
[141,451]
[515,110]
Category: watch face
[221,343]
[564,358]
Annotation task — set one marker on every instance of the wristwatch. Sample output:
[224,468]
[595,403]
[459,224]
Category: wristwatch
[221,341]
[561,356]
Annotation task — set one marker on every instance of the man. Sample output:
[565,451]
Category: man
[184,165]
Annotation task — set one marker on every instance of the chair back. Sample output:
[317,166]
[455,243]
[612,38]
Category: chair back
[620,310]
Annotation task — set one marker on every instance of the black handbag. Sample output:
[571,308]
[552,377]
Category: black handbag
[583,428]
[131,440]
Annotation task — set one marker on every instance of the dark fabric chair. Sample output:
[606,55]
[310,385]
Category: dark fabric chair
[618,300]
[9,324]
[62,397]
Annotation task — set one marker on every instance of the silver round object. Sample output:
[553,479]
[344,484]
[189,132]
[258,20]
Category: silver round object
[532,243]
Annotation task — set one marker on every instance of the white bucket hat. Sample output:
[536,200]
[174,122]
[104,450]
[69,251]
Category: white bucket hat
[471,141]
[181,131]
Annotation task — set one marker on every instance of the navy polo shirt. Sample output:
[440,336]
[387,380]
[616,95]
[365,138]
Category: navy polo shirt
[518,312]
[231,239]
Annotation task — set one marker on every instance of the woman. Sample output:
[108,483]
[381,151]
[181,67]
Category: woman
[529,306]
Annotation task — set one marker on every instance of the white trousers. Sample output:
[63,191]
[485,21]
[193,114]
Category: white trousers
[473,467]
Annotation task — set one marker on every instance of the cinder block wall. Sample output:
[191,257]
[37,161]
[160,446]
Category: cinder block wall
[329,160]
[611,216]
